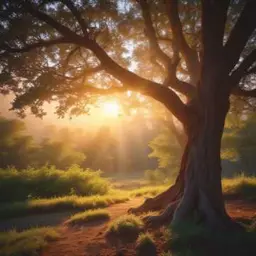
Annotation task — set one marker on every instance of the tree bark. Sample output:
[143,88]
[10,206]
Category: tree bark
[197,192]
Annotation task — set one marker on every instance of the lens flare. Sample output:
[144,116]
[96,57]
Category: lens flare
[111,109]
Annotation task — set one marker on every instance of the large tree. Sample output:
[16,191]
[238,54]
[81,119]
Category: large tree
[188,55]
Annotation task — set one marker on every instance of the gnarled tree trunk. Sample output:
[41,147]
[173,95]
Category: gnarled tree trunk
[197,192]
[203,191]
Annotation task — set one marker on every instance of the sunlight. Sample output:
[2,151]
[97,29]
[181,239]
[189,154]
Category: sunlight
[111,109]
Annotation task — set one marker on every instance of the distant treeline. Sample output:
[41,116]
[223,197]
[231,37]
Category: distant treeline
[129,147]
[112,149]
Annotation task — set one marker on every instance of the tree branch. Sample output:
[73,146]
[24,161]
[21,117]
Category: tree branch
[214,15]
[243,68]
[131,81]
[65,31]
[170,65]
[240,34]
[189,54]
[42,43]
[76,14]
[150,32]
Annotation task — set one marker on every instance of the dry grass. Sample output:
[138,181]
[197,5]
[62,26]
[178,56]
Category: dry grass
[39,206]
[29,242]
[125,228]
[145,245]
[241,186]
[88,216]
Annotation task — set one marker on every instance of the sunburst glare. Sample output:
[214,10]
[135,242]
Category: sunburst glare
[111,109]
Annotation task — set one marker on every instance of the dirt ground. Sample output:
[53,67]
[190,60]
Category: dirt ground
[89,240]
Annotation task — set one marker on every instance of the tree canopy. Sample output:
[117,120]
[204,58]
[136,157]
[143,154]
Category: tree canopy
[68,51]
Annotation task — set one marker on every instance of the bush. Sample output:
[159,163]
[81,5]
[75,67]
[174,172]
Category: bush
[125,229]
[48,182]
[88,216]
[29,242]
[145,245]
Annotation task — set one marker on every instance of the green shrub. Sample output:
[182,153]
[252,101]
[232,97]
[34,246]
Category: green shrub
[88,216]
[48,182]
[29,242]
[145,245]
[126,228]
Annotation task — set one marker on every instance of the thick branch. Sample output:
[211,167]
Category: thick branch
[243,69]
[240,34]
[165,95]
[214,15]
[189,54]
[150,32]
[65,31]
[39,44]
[76,14]
[170,65]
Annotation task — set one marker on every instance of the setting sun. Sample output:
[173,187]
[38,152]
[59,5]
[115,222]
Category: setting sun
[111,109]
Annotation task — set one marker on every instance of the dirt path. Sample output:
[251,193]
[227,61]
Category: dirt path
[89,240]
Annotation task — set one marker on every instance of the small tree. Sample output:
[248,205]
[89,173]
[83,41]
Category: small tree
[188,55]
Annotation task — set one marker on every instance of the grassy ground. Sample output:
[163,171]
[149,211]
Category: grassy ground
[39,206]
[29,242]
[66,203]
[125,229]
[238,187]
[88,216]
[197,241]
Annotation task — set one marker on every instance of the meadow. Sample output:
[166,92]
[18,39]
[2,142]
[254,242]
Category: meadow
[85,194]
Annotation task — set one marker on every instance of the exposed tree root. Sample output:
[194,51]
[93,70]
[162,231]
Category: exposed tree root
[160,201]
[171,195]
[164,217]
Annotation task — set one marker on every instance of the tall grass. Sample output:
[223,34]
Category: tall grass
[49,182]
[242,186]
[29,242]
[88,216]
[39,206]
[125,228]
[148,191]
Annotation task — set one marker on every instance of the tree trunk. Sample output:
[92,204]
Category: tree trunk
[203,192]
[197,191]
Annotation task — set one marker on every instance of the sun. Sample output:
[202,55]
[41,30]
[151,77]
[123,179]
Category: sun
[111,109]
